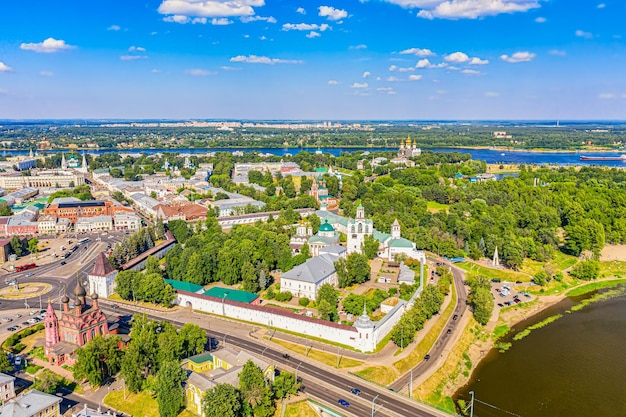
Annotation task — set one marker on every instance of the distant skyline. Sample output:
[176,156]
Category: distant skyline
[334,60]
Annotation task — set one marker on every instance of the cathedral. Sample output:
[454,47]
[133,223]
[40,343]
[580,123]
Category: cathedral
[76,327]
[407,150]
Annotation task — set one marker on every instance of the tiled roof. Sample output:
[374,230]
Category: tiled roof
[102,267]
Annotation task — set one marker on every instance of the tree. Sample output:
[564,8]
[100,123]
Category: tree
[251,384]
[179,229]
[169,389]
[16,246]
[5,364]
[483,304]
[325,310]
[47,381]
[126,282]
[341,269]
[152,266]
[33,246]
[327,298]
[98,360]
[222,401]
[370,246]
[250,280]
[358,268]
[5,210]
[586,270]
[193,339]
[285,384]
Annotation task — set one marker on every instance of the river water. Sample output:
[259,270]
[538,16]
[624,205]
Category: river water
[575,366]
[489,155]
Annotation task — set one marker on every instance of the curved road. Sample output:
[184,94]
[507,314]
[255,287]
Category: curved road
[444,340]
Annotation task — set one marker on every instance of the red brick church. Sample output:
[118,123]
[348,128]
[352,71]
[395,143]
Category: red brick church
[76,327]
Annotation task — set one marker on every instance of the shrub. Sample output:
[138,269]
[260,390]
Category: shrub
[304,301]
[19,347]
[270,293]
[284,296]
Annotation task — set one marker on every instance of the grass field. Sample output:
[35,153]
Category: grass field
[612,268]
[594,286]
[503,275]
[384,375]
[299,409]
[435,207]
[559,262]
[327,358]
[137,405]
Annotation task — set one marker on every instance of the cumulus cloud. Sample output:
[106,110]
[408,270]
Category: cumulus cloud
[313,34]
[425,63]
[301,10]
[255,59]
[197,72]
[392,79]
[132,57]
[177,19]
[359,85]
[392,68]
[417,51]
[114,28]
[357,47]
[268,19]
[227,68]
[333,82]
[457,57]
[541,20]
[48,46]
[219,21]
[305,26]
[207,8]
[406,69]
[557,52]
[386,90]
[331,13]
[583,34]
[518,57]
[601,6]
[478,61]
[465,9]
[46,73]
[414,77]
[136,49]
[366,74]
[4,67]
[470,72]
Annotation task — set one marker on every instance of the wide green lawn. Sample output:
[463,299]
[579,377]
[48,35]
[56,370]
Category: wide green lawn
[502,275]
[435,207]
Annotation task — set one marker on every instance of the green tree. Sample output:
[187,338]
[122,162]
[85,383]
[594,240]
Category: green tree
[358,268]
[126,283]
[586,270]
[33,245]
[249,278]
[16,246]
[5,210]
[222,401]
[329,295]
[285,384]
[5,364]
[483,304]
[370,246]
[325,310]
[193,339]
[251,384]
[169,389]
[152,266]
[47,381]
[98,360]
[179,229]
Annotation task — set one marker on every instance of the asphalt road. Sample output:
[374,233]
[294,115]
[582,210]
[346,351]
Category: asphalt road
[445,339]
[326,385]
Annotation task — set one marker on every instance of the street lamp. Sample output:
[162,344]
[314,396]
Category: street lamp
[296,372]
[373,401]
[472,404]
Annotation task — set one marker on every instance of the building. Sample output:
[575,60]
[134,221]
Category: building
[102,277]
[72,208]
[25,164]
[93,224]
[233,295]
[5,249]
[42,179]
[186,212]
[126,221]
[357,229]
[88,412]
[32,404]
[407,150]
[76,327]
[303,233]
[325,236]
[305,279]
[7,388]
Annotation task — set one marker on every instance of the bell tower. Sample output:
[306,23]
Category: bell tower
[52,326]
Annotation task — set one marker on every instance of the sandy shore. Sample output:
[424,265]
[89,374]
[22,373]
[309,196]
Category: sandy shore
[613,253]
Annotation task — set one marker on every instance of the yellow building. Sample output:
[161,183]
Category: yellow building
[32,404]
[200,363]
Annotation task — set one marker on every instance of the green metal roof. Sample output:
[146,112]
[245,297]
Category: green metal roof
[322,169]
[401,243]
[380,236]
[201,358]
[232,295]
[326,227]
[184,286]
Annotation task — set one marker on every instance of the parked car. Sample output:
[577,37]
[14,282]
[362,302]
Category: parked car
[17,315]
[12,329]
[426,357]
[449,331]
[18,361]
[495,280]
[344,403]
[7,319]
[63,262]
[456,316]
[355,391]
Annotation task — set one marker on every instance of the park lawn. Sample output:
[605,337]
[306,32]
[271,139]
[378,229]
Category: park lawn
[502,275]
[327,358]
[116,297]
[612,268]
[299,409]
[141,404]
[559,262]
[594,286]
[30,341]
[383,375]
[435,207]
[424,346]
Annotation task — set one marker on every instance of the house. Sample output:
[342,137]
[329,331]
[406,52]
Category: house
[102,277]
[200,363]
[305,280]
[32,404]
[93,224]
[7,388]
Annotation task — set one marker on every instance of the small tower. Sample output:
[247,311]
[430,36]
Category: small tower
[51,323]
[63,162]
[360,212]
[395,230]
[83,165]
[30,154]
[496,258]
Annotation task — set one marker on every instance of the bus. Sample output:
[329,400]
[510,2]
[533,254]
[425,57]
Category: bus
[20,268]
[83,240]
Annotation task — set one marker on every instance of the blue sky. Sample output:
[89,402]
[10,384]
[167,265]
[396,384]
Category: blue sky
[310,59]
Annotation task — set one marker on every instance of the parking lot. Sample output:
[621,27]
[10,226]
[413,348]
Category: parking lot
[16,320]
[505,295]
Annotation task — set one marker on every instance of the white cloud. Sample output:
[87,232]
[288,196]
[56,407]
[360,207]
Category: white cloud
[268,19]
[227,68]
[583,34]
[48,46]
[606,96]
[331,13]
[313,34]
[392,68]
[305,26]
[132,57]
[4,67]
[46,73]
[197,72]
[384,89]
[357,47]
[417,51]
[466,9]
[457,57]
[392,79]
[359,85]
[414,77]
[541,20]
[470,72]
[557,52]
[425,63]
[366,74]
[136,49]
[114,28]
[221,21]
[333,82]
[255,59]
[406,69]
[518,57]
[478,61]
[301,10]
[177,19]
[601,6]
[155,71]
[208,8]
[492,94]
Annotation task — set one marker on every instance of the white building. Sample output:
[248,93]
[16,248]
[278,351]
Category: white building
[40,179]
[7,387]
[126,221]
[102,277]
[357,229]
[93,224]
[47,225]
[305,279]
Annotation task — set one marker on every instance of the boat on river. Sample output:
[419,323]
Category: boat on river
[603,158]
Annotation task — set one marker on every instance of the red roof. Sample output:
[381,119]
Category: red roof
[102,267]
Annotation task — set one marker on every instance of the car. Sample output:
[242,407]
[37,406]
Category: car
[37,319]
[32,313]
[114,305]
[500,305]
[526,295]
[355,391]
[495,280]
[63,262]
[508,303]
[42,311]
[426,357]
[12,329]
[17,315]
[502,294]
[7,319]
[344,403]
[517,300]
[18,361]
[506,287]
[449,331]
[456,316]
[25,323]
[30,274]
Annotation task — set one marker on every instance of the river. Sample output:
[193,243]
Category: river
[489,155]
[575,366]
